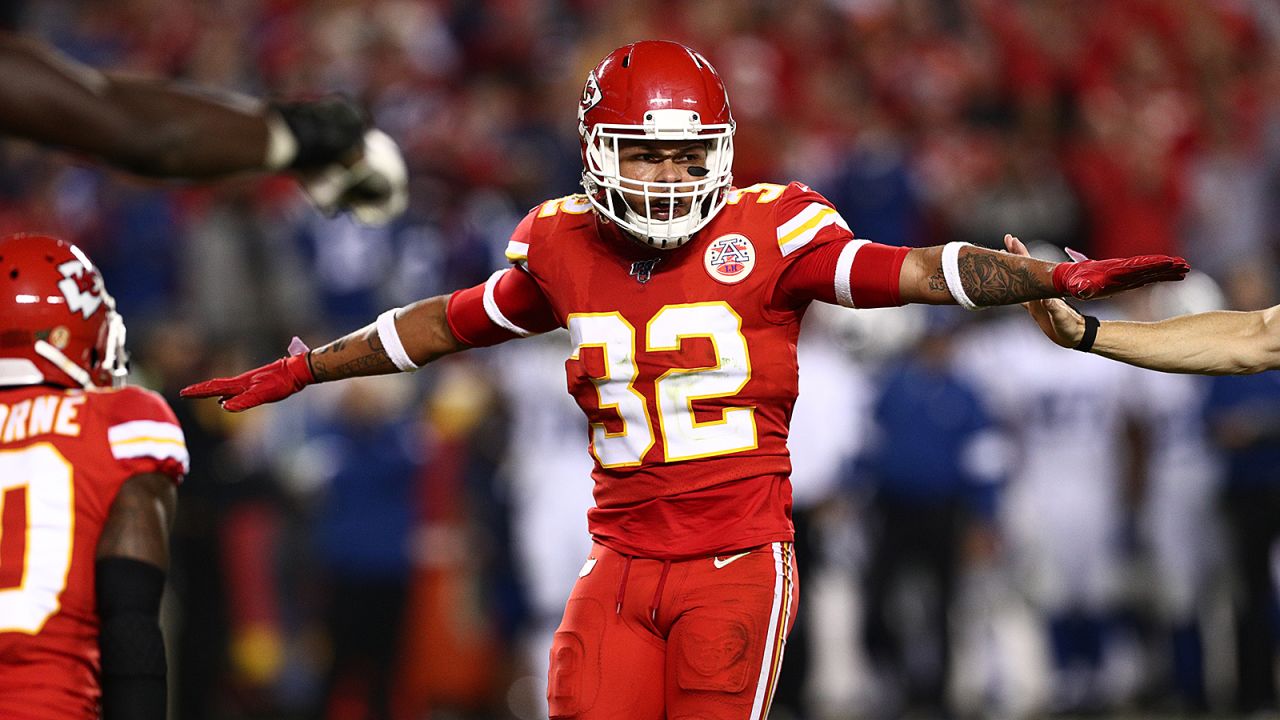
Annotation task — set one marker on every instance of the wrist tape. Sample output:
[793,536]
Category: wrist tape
[1090,334]
[390,338]
[951,273]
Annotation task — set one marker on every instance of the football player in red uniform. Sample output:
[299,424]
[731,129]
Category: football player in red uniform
[88,468]
[683,297]
[154,128]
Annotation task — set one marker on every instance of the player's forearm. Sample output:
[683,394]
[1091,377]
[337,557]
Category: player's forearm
[1216,343]
[423,331]
[166,131]
[987,277]
[147,126]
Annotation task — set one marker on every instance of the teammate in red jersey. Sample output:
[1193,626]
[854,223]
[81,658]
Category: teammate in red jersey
[155,128]
[88,468]
[683,298]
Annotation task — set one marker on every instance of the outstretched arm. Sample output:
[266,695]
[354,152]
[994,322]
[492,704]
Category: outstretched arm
[977,277]
[508,305]
[987,277]
[1213,343]
[401,339]
[145,126]
[157,128]
[424,334]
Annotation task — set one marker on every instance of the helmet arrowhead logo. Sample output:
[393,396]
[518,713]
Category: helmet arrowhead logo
[81,287]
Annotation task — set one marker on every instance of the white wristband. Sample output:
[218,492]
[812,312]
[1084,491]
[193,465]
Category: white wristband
[391,344]
[951,273]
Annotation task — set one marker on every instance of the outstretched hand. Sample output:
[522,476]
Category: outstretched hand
[1058,320]
[269,383]
[1087,279]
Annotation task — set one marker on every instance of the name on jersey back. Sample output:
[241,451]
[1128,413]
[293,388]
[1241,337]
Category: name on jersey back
[42,415]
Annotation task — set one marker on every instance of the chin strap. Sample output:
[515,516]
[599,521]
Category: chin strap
[55,356]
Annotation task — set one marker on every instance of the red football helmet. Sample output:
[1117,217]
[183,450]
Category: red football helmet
[58,325]
[655,90]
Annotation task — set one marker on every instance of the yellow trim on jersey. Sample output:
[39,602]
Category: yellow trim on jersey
[616,407]
[690,399]
[810,224]
[517,251]
[30,526]
[170,441]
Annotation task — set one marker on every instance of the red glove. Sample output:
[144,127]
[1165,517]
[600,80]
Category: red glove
[259,386]
[1090,279]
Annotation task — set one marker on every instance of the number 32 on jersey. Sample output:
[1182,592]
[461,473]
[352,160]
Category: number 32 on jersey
[684,437]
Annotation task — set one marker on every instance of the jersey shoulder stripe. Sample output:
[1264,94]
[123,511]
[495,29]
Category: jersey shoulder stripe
[805,225]
[142,431]
[155,450]
[148,439]
[517,251]
[545,217]
[134,430]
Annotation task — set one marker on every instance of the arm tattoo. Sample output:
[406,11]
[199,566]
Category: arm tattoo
[375,359]
[938,281]
[992,279]
[335,346]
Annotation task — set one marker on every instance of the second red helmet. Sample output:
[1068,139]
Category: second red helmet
[58,324]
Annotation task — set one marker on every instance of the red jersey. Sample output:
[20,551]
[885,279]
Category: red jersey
[684,361]
[63,456]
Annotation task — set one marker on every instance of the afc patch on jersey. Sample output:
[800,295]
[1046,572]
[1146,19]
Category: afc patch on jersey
[730,258]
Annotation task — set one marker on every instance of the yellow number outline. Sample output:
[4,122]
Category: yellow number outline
[616,407]
[576,204]
[691,399]
[14,593]
[764,192]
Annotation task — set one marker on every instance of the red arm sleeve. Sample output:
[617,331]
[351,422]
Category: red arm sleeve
[509,305]
[856,273]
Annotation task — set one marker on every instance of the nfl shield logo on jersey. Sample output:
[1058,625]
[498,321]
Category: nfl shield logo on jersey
[730,258]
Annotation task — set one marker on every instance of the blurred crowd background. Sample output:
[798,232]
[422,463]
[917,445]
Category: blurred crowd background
[989,526]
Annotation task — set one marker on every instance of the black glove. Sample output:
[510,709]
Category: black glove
[326,130]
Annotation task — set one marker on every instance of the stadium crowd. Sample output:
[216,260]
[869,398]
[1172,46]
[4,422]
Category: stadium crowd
[1097,542]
